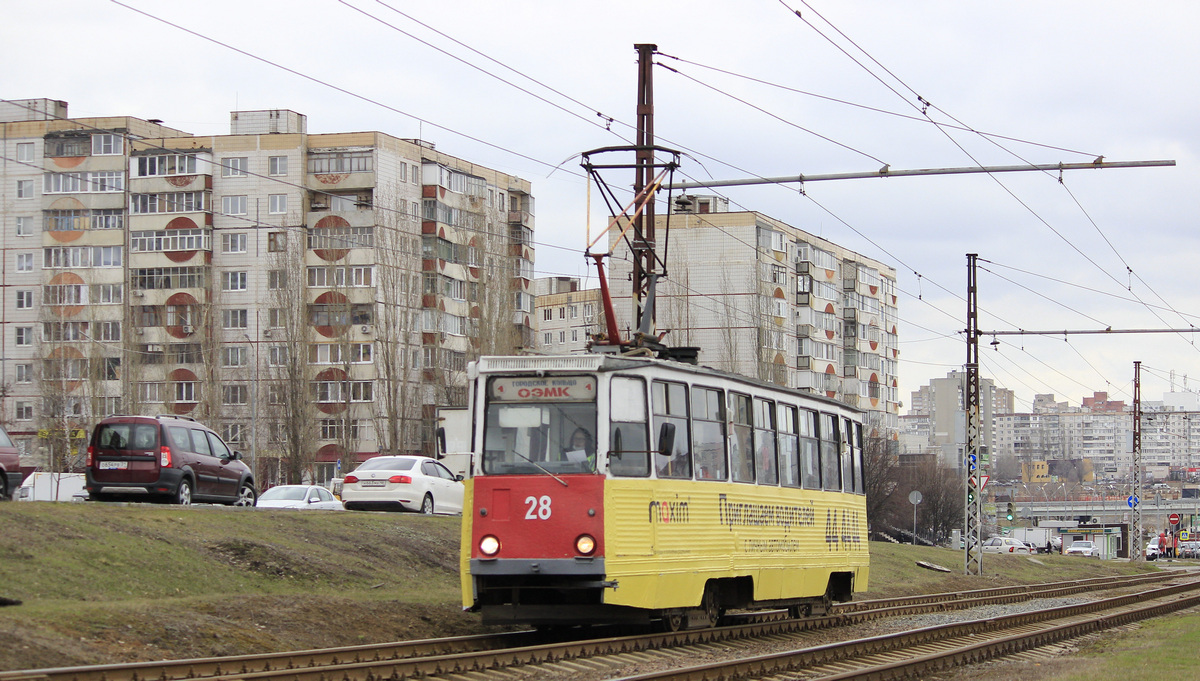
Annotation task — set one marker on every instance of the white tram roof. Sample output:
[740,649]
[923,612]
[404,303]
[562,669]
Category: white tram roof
[599,363]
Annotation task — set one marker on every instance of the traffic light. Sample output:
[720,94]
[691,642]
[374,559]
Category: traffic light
[970,495]
[1010,514]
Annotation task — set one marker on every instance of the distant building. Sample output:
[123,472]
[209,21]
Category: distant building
[565,316]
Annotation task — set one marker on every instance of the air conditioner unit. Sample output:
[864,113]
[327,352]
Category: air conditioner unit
[139,294]
[365,329]
[266,333]
[187,328]
[140,331]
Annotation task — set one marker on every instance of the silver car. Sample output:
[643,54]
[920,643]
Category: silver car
[1005,545]
[299,497]
[403,483]
[1083,548]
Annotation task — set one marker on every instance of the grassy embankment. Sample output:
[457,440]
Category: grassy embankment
[108,583]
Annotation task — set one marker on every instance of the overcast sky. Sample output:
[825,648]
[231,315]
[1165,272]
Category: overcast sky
[1060,82]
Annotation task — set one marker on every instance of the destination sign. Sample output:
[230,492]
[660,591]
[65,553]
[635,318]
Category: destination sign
[544,388]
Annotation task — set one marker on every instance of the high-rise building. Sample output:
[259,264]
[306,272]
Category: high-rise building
[766,299]
[565,316]
[314,297]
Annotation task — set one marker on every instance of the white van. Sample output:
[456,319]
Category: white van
[42,486]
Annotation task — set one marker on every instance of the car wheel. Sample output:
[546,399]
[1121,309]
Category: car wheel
[427,505]
[246,495]
[3,488]
[183,495]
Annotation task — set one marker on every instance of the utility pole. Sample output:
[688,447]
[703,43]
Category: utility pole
[1135,499]
[643,222]
[973,530]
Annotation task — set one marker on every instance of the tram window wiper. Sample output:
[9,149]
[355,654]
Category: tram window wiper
[539,467]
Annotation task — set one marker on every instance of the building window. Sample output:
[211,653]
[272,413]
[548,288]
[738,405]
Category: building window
[24,262]
[150,392]
[233,205]
[24,336]
[25,151]
[275,317]
[234,356]
[168,202]
[277,355]
[173,164]
[24,300]
[24,411]
[235,166]
[186,391]
[277,165]
[233,242]
[277,204]
[235,394]
[233,281]
[24,373]
[109,331]
[233,432]
[24,189]
[340,161]
[276,280]
[24,226]
[547,338]
[276,242]
[547,314]
[107,145]
[234,319]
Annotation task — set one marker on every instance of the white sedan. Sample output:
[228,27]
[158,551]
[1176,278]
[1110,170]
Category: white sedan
[400,483]
[301,497]
[1005,545]
[1083,548]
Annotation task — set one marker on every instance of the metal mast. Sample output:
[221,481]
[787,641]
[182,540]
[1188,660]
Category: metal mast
[973,544]
[643,222]
[1135,501]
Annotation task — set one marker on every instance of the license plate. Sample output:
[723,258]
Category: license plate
[113,465]
[374,483]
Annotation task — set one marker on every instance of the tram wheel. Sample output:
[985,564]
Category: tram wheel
[674,622]
[712,608]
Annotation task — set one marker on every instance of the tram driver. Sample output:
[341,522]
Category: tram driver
[581,448]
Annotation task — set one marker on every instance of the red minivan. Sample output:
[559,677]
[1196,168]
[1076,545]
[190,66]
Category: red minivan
[165,458]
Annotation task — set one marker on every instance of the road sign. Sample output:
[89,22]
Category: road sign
[983,481]
[1174,518]
[1184,535]
[1132,501]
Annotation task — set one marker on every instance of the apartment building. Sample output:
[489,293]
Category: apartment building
[937,421]
[766,299]
[565,316]
[314,297]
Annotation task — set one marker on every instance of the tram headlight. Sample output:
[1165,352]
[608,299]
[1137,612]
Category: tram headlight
[585,544]
[489,545]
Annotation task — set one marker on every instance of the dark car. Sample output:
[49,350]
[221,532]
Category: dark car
[165,458]
[10,467]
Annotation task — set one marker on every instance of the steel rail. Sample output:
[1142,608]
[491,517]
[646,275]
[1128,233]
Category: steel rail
[492,651]
[939,648]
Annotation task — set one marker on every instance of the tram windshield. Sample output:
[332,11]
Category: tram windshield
[540,425]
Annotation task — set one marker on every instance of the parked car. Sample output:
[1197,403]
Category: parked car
[301,497]
[165,458]
[1006,545]
[1083,547]
[1189,549]
[1152,549]
[399,483]
[10,467]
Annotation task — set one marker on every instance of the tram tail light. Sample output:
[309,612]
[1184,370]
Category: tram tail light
[489,545]
[585,544]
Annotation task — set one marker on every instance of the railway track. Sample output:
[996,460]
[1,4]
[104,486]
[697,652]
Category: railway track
[913,654]
[468,654]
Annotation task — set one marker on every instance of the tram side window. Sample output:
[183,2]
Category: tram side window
[708,433]
[857,454]
[810,459]
[741,454]
[847,454]
[628,453]
[671,406]
[764,442]
[789,451]
[830,444]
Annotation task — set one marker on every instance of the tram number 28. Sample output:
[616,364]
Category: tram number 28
[539,507]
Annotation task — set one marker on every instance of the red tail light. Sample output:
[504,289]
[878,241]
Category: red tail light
[349,479]
[91,455]
[402,479]
[164,457]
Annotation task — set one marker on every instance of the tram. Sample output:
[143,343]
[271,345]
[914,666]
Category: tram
[619,489]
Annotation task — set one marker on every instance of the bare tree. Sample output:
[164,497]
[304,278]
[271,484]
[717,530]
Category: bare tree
[881,479]
[291,405]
